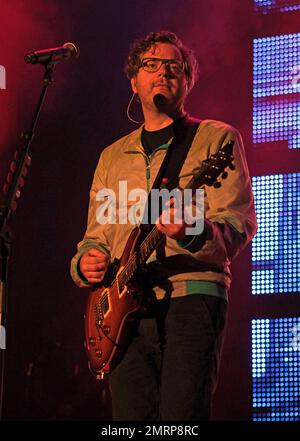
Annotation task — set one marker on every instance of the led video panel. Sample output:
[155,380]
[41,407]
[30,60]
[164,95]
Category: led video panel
[276,246]
[276,87]
[276,369]
[271,6]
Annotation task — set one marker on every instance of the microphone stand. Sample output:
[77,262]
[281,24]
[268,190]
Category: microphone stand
[15,180]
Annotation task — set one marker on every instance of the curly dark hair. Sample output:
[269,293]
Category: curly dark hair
[144,44]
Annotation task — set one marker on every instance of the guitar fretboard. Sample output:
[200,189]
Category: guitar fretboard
[139,257]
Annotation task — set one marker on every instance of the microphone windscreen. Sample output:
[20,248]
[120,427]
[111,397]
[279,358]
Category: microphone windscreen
[74,50]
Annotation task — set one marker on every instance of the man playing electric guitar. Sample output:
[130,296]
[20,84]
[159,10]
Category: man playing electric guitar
[169,368]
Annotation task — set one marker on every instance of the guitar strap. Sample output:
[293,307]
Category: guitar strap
[184,132]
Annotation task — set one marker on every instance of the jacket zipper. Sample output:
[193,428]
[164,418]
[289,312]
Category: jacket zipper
[148,163]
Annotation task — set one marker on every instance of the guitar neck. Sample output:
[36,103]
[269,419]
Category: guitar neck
[140,256]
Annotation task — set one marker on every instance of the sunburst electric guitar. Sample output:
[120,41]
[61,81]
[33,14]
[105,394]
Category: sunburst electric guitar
[112,305]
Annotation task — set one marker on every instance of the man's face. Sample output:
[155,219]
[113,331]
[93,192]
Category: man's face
[165,82]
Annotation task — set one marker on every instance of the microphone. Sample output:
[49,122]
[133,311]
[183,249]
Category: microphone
[55,54]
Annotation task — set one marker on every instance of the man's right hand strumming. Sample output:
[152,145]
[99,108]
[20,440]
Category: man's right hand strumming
[93,265]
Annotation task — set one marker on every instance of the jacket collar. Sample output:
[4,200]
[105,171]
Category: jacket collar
[134,142]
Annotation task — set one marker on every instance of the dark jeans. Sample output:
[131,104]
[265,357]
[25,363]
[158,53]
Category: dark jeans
[169,370]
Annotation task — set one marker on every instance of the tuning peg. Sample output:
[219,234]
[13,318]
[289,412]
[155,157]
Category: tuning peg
[224,175]
[217,184]
[231,166]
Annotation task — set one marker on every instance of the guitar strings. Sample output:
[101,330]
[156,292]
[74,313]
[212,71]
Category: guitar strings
[123,277]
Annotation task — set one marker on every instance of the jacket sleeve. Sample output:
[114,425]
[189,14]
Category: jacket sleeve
[230,221]
[96,233]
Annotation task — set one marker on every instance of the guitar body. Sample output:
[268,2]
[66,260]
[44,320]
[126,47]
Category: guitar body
[112,307]
[108,311]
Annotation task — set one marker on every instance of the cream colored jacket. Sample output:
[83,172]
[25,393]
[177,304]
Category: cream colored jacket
[230,221]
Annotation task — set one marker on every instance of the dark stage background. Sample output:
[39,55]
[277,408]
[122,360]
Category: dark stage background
[46,371]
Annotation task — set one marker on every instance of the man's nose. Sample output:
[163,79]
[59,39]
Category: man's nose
[164,70]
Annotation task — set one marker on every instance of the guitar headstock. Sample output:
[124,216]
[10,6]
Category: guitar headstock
[213,167]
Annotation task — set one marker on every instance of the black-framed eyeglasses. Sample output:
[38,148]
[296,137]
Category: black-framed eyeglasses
[152,65]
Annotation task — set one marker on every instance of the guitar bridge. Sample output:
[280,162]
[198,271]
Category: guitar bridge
[101,308]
